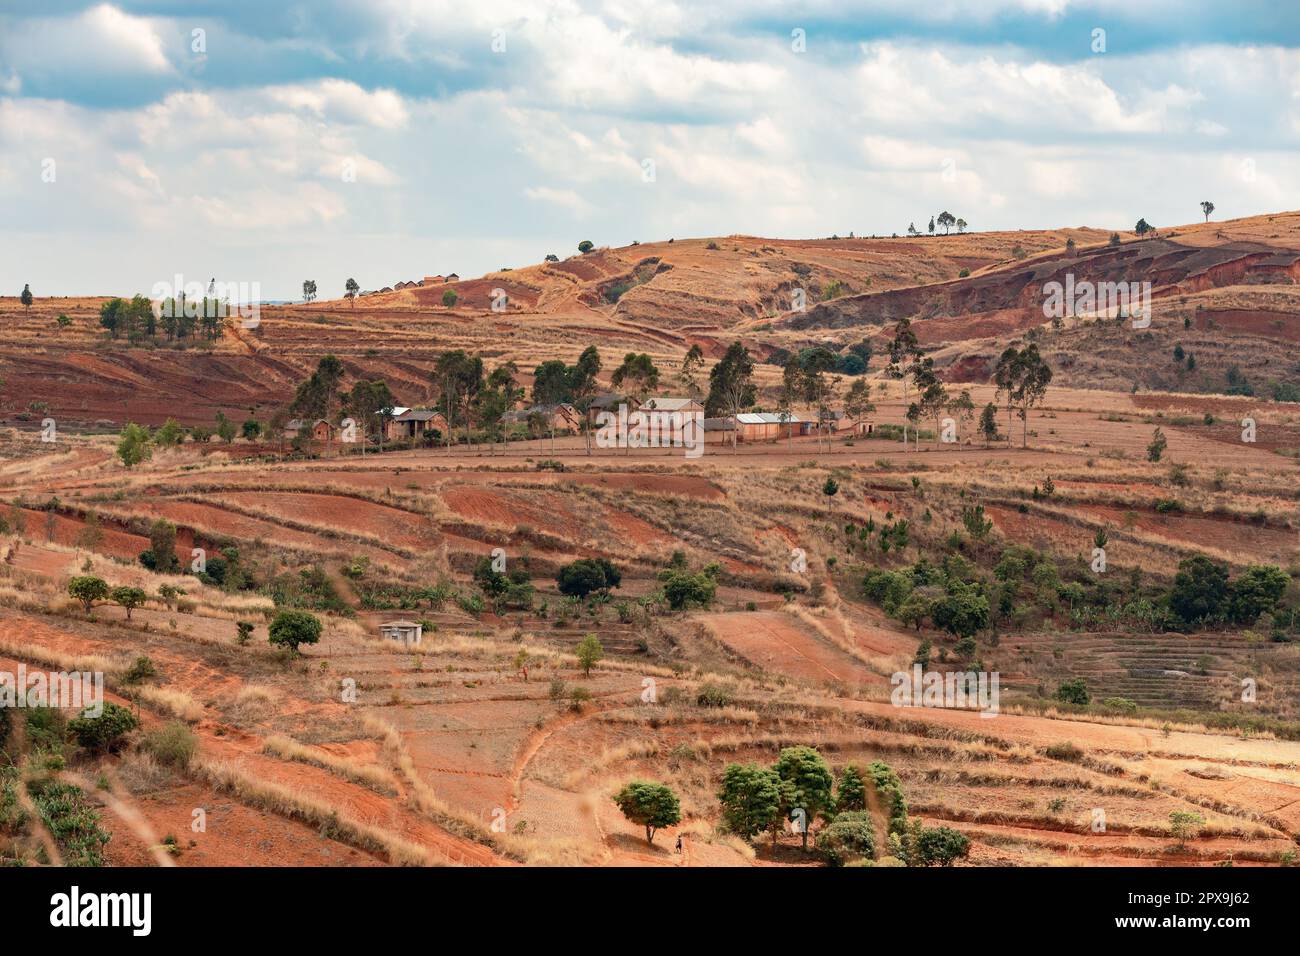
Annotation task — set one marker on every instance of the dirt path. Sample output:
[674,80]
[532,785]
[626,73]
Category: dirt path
[879,819]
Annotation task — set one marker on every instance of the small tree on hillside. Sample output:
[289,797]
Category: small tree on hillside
[134,445]
[351,288]
[449,298]
[1207,207]
[651,805]
[589,652]
[1156,448]
[989,424]
[751,800]
[292,629]
[810,783]
[853,793]
[88,589]
[128,598]
[27,297]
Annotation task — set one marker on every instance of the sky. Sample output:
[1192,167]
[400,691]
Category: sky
[268,142]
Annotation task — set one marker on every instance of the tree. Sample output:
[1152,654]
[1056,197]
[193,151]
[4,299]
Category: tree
[351,288]
[947,220]
[128,598]
[1033,376]
[852,794]
[932,395]
[857,402]
[1200,591]
[692,365]
[932,225]
[292,629]
[1256,591]
[810,784]
[371,404]
[1158,444]
[585,246]
[903,353]
[225,428]
[1207,207]
[169,433]
[315,397]
[1114,239]
[88,589]
[1185,825]
[134,445]
[1143,227]
[731,390]
[1007,377]
[964,408]
[110,315]
[651,805]
[587,575]
[27,297]
[308,290]
[963,610]
[988,426]
[751,799]
[251,429]
[458,378]
[449,298]
[683,588]
[589,652]
[106,732]
[638,372]
[161,556]
[961,225]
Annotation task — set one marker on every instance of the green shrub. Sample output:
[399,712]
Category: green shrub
[107,732]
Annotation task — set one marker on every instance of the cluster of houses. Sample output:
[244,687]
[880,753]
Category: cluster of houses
[414,284]
[410,424]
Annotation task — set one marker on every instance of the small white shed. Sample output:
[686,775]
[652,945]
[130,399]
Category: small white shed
[408,632]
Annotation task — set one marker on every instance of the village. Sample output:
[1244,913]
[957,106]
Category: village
[676,420]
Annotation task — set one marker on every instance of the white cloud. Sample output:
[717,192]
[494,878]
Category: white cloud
[565,198]
[345,102]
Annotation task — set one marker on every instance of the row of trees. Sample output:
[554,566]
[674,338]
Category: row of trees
[945,220]
[134,319]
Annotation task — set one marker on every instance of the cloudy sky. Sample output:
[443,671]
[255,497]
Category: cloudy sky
[265,141]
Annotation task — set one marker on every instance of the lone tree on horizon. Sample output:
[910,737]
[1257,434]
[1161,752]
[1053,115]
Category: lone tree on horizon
[352,289]
[1207,207]
[1143,227]
[27,297]
[308,290]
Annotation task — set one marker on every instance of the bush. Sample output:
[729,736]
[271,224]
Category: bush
[711,694]
[850,837]
[586,576]
[107,732]
[141,670]
[1073,691]
[173,744]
